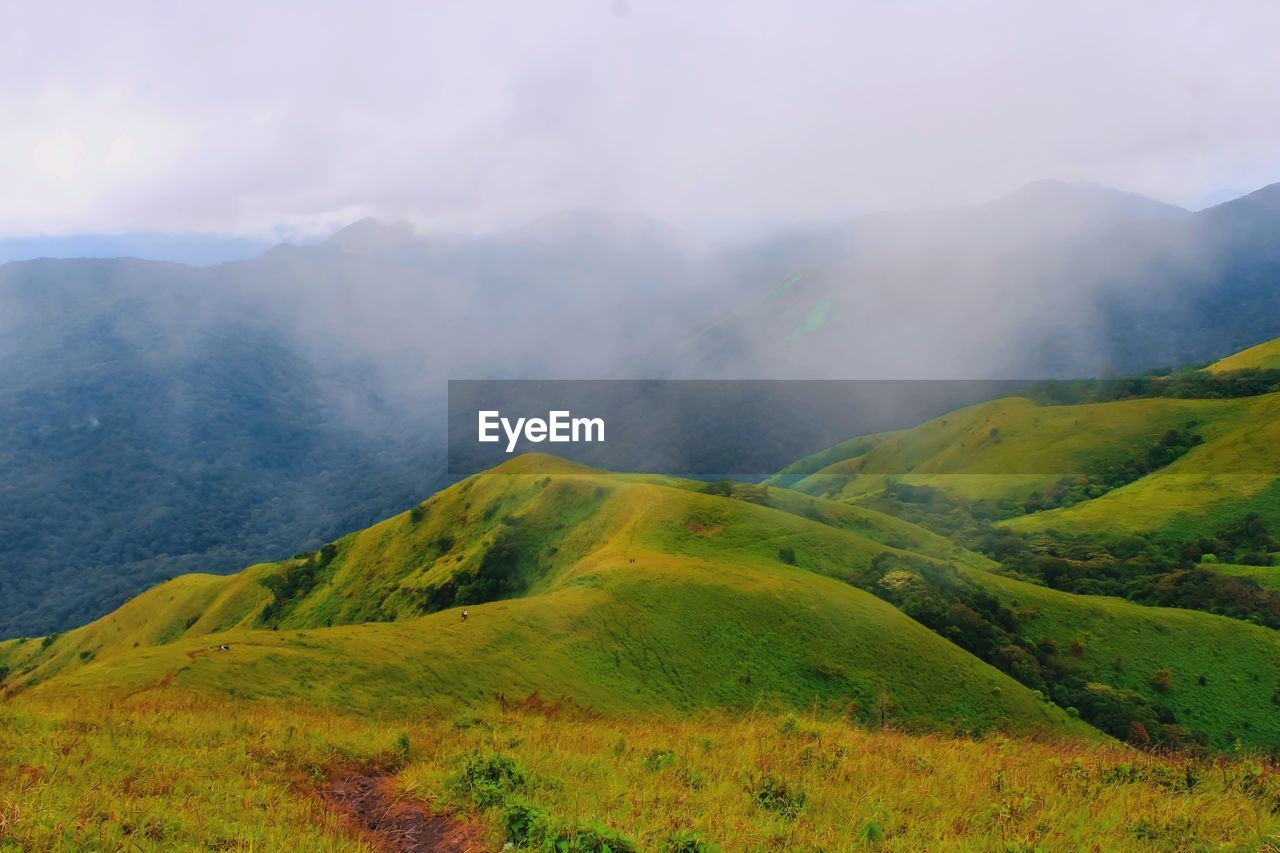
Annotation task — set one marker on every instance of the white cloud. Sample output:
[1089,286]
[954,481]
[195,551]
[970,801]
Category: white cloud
[243,116]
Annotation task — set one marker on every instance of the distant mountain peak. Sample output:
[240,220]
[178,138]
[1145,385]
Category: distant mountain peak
[1085,196]
[372,235]
[1258,209]
[1268,195]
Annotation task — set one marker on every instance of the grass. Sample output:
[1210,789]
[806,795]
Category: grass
[1264,356]
[700,667]
[183,772]
[1125,644]
[673,635]
[640,594]
[643,594]
[180,773]
[811,782]
[1268,577]
[1211,487]
[1007,448]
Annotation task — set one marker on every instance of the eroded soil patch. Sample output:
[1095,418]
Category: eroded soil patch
[368,803]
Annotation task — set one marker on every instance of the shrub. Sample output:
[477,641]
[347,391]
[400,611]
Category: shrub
[530,827]
[658,759]
[772,794]
[1162,680]
[723,488]
[486,780]
[787,554]
[525,824]
[590,839]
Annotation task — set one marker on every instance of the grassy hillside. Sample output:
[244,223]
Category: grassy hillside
[636,592]
[168,773]
[1007,448]
[1125,645]
[1264,356]
[697,620]
[663,664]
[1205,491]
[1011,452]
[689,634]
[180,772]
[619,593]
[1267,577]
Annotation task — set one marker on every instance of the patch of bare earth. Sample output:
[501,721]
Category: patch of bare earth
[367,802]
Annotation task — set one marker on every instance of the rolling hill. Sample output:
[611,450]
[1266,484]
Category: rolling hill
[617,592]
[1009,450]
[1119,498]
[1224,675]
[627,592]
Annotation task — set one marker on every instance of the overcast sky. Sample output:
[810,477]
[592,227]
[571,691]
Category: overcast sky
[242,117]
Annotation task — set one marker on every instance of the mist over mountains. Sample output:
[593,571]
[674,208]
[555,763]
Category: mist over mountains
[159,417]
[1055,280]
[194,249]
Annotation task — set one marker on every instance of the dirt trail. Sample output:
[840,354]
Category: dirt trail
[367,802]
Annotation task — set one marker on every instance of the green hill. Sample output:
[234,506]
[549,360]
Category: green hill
[1209,489]
[638,592]
[617,592]
[1007,448]
[1264,356]
[1013,452]
[1223,674]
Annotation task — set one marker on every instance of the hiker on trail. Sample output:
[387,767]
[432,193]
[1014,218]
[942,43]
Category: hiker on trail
[465,614]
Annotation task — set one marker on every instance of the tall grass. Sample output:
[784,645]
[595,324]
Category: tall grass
[173,773]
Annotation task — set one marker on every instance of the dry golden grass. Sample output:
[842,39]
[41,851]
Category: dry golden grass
[174,772]
[849,788]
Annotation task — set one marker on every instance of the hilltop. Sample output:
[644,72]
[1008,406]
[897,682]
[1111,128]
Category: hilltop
[617,592]
[628,592]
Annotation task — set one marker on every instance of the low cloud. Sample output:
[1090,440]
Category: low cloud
[287,119]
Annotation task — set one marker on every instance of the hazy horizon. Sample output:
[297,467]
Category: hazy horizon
[282,233]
